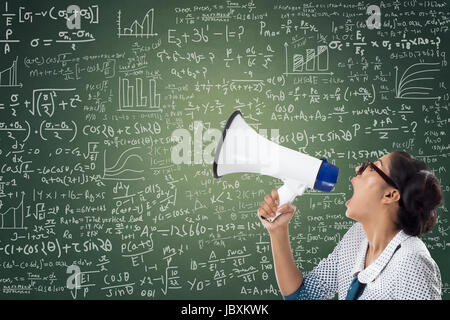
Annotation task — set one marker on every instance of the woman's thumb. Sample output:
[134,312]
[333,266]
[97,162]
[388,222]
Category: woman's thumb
[286,207]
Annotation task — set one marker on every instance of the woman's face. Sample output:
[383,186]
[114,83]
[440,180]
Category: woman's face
[368,191]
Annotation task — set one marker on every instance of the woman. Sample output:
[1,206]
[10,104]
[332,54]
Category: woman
[380,257]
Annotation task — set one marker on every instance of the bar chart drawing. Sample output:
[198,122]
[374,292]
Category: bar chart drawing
[311,61]
[138,96]
[8,76]
[144,28]
[12,217]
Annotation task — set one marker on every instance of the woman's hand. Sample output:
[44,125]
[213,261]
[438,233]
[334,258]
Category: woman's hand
[268,209]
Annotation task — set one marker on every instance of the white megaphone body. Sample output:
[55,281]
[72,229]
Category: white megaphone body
[242,149]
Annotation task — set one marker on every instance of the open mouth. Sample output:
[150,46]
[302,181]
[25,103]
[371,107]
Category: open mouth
[348,201]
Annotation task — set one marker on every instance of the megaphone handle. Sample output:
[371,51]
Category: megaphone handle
[287,194]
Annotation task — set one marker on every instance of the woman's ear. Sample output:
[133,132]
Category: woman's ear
[392,195]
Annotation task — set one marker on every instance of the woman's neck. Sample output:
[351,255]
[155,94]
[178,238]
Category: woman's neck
[378,235]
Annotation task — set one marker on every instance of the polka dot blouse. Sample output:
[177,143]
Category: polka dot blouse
[404,270]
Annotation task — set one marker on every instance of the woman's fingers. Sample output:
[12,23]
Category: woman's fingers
[268,199]
[262,214]
[270,211]
[275,197]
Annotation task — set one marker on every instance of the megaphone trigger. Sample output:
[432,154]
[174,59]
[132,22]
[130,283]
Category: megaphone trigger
[287,193]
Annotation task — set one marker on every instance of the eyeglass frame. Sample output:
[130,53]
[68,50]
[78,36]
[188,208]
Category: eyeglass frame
[364,166]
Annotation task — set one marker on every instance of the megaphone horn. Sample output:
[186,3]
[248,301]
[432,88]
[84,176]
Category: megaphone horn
[242,149]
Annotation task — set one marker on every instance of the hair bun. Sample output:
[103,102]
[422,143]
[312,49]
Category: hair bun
[421,196]
[420,193]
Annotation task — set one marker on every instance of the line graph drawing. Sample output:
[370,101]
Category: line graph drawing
[144,28]
[123,168]
[8,76]
[419,73]
[12,217]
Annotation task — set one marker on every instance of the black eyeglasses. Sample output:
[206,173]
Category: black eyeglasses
[378,170]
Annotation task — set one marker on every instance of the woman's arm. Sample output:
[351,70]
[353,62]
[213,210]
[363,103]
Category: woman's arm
[289,277]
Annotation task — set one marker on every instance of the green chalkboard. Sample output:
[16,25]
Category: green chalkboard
[110,114]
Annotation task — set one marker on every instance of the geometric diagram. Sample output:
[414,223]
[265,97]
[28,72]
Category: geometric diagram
[141,97]
[136,29]
[314,61]
[12,218]
[8,77]
[403,90]
[122,169]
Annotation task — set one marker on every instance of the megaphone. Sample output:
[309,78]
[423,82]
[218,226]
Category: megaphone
[242,149]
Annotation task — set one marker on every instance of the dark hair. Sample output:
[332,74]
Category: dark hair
[420,193]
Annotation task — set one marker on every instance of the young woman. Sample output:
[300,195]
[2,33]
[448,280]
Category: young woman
[380,257]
